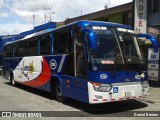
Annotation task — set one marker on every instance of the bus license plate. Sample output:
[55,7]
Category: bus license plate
[127,94]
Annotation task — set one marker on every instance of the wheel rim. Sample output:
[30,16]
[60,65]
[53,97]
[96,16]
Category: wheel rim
[59,91]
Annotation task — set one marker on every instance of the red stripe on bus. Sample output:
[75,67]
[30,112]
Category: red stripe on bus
[120,98]
[95,99]
[128,98]
[113,99]
[104,99]
[134,97]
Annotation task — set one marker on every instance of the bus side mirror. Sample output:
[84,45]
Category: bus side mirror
[92,37]
[152,39]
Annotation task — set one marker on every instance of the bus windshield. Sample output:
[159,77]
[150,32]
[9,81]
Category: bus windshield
[130,46]
[108,50]
[115,47]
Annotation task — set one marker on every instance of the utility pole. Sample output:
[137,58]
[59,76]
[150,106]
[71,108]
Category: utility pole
[106,6]
[81,12]
[33,20]
[45,16]
[50,15]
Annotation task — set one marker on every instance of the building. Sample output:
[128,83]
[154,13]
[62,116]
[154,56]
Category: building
[124,14]
[118,14]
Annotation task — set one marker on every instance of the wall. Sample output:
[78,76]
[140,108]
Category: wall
[116,18]
[153,19]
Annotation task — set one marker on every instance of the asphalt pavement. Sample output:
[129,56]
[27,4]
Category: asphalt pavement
[22,98]
[154,95]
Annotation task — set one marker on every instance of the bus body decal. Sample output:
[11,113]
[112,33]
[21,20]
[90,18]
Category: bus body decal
[61,63]
[43,77]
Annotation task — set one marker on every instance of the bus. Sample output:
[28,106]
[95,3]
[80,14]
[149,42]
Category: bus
[89,61]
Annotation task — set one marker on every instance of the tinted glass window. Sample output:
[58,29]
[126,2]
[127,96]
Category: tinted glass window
[15,49]
[7,51]
[62,42]
[32,47]
[45,45]
[20,48]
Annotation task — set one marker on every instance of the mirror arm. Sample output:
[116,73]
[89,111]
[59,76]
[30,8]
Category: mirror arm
[152,39]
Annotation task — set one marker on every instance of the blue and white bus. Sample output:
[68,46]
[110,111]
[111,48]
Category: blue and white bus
[93,62]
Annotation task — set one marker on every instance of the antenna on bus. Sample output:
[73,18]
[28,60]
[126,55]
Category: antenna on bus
[106,6]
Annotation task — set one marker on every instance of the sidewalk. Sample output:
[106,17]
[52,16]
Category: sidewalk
[154,95]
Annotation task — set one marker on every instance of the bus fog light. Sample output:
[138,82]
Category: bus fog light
[145,84]
[98,97]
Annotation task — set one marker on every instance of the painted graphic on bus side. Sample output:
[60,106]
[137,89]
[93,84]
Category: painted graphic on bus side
[33,71]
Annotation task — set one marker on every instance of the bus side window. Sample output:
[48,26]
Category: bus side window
[21,49]
[62,42]
[33,47]
[7,51]
[15,49]
[45,45]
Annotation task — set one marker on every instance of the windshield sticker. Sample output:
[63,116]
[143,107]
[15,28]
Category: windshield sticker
[107,62]
[99,28]
[96,28]
[122,29]
[103,28]
[125,30]
[130,31]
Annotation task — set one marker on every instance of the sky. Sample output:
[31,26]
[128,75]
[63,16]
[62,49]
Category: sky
[17,15]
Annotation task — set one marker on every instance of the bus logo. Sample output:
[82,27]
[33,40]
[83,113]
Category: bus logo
[103,76]
[53,64]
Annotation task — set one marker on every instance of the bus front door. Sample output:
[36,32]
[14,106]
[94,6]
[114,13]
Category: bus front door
[80,82]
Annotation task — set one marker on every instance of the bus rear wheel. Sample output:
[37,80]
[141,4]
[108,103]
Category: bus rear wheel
[58,93]
[12,81]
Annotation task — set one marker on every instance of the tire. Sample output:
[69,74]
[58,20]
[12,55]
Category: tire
[58,93]
[12,81]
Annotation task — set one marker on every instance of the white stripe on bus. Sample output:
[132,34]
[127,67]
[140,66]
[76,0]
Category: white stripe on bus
[61,63]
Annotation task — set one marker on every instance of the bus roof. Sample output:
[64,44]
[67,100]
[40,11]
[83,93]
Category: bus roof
[85,23]
[82,24]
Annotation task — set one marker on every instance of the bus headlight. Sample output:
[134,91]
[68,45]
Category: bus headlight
[145,84]
[101,87]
